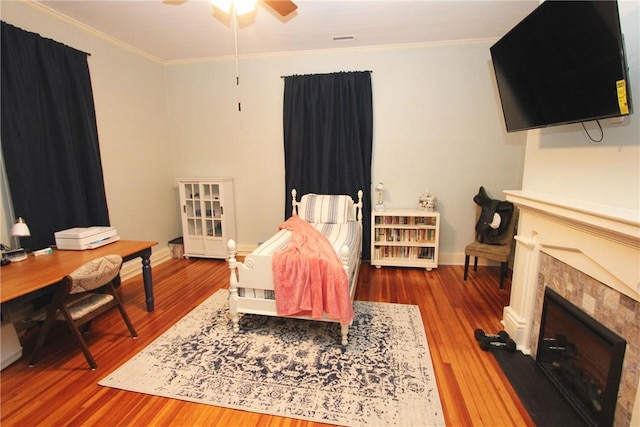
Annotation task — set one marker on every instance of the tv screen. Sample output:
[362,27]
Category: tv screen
[564,63]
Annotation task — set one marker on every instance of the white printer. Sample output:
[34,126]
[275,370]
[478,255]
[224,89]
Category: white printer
[81,238]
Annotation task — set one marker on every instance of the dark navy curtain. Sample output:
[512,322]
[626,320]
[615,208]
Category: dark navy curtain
[49,136]
[328,136]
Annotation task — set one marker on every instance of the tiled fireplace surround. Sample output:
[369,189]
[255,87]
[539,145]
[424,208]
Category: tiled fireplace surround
[590,254]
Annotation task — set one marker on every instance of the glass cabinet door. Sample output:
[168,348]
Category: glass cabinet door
[193,209]
[203,210]
[212,210]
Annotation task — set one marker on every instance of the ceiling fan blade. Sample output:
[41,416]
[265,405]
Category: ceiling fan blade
[283,7]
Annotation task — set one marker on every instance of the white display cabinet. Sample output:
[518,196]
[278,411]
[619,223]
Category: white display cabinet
[208,217]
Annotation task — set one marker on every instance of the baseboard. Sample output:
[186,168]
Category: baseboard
[450,258]
[134,267]
[457,258]
[244,250]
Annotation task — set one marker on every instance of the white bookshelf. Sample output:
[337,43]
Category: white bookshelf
[405,238]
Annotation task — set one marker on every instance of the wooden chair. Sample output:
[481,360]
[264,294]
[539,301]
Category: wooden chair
[82,296]
[500,252]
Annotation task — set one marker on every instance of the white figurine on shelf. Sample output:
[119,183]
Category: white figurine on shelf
[427,201]
[380,204]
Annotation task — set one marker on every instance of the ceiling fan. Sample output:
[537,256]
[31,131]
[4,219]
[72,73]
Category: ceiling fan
[282,7]
[236,8]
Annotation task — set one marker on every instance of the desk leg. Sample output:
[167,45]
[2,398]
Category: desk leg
[146,277]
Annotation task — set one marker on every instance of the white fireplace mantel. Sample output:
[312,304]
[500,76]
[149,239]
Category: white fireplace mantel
[601,241]
[618,223]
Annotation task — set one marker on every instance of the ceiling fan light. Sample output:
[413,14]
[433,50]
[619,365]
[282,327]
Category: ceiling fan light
[223,5]
[244,6]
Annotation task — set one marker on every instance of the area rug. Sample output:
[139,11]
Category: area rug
[294,368]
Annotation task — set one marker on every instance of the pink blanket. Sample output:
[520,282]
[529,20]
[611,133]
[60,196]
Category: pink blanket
[309,279]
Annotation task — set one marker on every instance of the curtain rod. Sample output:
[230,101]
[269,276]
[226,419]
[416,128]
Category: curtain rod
[293,75]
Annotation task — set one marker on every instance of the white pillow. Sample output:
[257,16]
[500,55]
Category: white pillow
[331,209]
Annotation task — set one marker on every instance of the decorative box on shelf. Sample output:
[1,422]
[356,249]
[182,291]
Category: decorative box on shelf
[405,238]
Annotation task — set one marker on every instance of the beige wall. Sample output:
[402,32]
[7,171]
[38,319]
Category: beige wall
[437,127]
[562,161]
[132,126]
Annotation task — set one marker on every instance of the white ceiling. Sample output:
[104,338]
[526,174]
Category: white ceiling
[180,30]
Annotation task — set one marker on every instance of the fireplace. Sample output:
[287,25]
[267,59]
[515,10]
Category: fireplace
[581,357]
[588,254]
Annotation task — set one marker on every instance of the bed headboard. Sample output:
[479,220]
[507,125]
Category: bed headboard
[327,208]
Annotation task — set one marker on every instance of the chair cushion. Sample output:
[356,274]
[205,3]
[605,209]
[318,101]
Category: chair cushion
[95,273]
[81,305]
[493,252]
[330,209]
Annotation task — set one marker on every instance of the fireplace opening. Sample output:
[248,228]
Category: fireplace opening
[581,357]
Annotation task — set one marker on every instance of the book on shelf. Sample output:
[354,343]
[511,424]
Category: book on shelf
[409,236]
[404,252]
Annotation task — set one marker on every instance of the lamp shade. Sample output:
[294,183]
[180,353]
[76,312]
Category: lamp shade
[20,228]
[379,187]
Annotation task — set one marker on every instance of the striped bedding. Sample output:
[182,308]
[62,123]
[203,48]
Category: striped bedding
[338,235]
[324,208]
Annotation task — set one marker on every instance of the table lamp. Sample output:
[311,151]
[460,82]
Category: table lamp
[18,229]
[380,203]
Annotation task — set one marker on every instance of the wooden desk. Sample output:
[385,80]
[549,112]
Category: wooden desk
[36,273]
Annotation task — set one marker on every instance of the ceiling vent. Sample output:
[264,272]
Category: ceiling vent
[343,38]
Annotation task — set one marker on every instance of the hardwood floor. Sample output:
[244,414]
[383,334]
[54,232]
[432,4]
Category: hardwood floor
[61,390]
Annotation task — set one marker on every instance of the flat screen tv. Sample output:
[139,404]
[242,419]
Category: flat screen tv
[564,63]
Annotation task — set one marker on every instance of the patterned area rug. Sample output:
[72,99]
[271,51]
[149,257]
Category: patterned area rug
[294,368]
